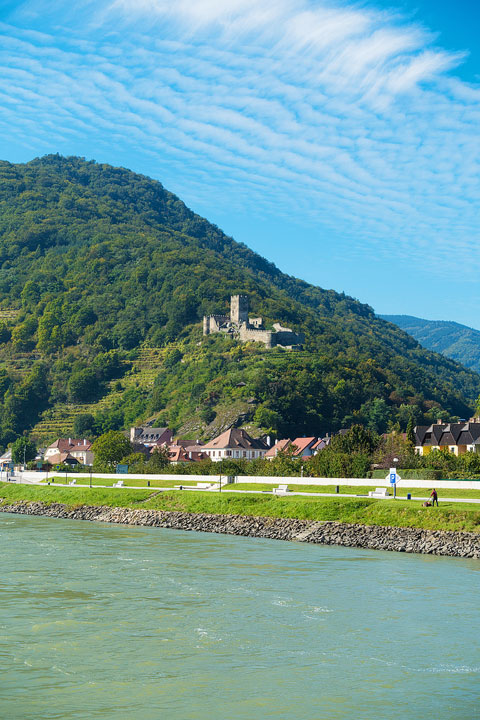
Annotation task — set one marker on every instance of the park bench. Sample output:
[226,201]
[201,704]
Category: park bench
[379,493]
[281,490]
[119,484]
[73,482]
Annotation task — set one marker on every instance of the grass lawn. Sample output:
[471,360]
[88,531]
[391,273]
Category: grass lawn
[137,482]
[267,487]
[400,513]
[357,490]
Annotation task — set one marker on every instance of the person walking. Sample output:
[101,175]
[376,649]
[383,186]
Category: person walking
[434,497]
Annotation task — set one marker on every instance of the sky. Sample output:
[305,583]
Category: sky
[338,139]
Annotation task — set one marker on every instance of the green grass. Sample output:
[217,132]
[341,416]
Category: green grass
[137,482]
[262,487]
[358,490]
[400,513]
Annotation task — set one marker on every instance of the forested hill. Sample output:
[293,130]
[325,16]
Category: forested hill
[456,341]
[104,279]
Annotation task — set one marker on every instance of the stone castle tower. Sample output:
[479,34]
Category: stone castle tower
[239,309]
[241,326]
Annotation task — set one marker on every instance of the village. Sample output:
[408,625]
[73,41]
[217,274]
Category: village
[456,439]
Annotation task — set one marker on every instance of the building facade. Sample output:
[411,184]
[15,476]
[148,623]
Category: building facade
[457,438]
[234,444]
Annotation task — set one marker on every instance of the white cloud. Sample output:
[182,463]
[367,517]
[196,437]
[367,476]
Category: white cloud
[344,116]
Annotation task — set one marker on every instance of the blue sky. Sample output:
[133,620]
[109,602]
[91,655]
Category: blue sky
[338,139]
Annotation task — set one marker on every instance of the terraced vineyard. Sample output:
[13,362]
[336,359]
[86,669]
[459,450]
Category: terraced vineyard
[58,421]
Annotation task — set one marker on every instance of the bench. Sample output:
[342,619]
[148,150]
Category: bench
[379,492]
[73,482]
[281,490]
[203,484]
[119,484]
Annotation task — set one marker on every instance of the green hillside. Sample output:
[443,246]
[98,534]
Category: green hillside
[452,339]
[104,279]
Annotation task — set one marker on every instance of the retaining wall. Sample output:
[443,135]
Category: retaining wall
[409,540]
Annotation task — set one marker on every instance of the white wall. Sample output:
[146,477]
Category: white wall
[268,479]
[361,482]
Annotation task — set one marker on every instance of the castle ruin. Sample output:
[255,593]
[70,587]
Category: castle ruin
[246,329]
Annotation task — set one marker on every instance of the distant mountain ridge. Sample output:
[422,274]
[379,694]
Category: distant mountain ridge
[456,341]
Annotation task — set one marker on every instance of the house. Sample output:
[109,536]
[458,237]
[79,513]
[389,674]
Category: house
[235,444]
[321,444]
[303,447]
[6,459]
[280,446]
[179,454]
[150,436]
[457,438]
[70,451]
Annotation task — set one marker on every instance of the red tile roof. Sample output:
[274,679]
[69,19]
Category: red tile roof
[278,447]
[301,444]
[233,439]
[68,444]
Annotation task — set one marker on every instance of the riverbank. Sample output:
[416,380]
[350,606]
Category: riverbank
[327,532]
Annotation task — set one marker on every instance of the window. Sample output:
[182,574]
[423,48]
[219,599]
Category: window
[229,453]
[244,453]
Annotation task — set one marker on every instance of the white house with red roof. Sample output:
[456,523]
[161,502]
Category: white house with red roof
[235,444]
[69,450]
[179,454]
[301,447]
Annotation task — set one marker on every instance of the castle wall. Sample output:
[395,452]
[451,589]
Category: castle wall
[249,329]
[264,336]
[213,323]
[289,338]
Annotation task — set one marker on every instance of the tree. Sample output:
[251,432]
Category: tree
[159,459]
[477,407]
[410,430]
[377,413]
[23,449]
[111,447]
[83,385]
[5,334]
[22,335]
[266,418]
[356,440]
[84,425]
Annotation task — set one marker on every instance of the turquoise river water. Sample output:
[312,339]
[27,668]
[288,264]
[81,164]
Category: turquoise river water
[110,622]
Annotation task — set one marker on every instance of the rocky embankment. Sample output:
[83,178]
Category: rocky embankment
[410,540]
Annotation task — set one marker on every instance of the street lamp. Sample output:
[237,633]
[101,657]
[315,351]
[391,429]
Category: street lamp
[395,461]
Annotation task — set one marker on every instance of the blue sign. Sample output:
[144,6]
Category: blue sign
[122,469]
[393,478]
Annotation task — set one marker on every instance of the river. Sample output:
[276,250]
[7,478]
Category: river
[108,622]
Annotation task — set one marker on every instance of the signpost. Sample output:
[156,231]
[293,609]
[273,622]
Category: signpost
[393,478]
